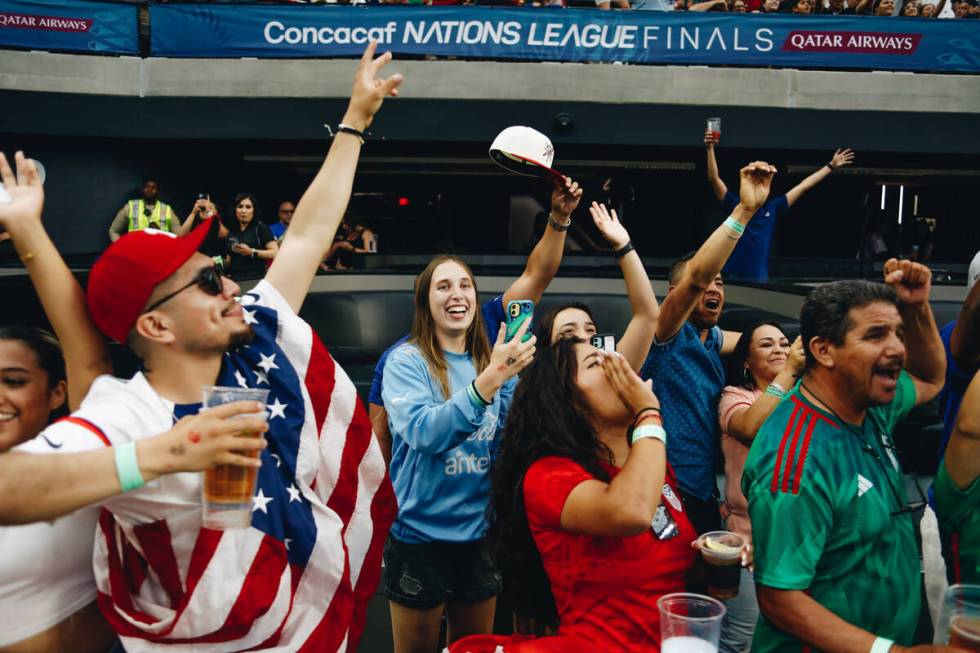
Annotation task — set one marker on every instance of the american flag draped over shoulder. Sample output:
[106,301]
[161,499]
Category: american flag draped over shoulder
[300,578]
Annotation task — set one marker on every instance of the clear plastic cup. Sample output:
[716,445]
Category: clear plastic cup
[690,623]
[714,126]
[959,619]
[228,489]
[722,551]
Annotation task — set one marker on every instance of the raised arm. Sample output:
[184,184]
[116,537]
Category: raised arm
[743,425]
[60,294]
[542,264]
[964,342]
[841,158]
[700,271]
[717,185]
[636,341]
[925,358]
[38,487]
[322,206]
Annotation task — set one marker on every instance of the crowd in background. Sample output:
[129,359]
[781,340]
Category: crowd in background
[576,473]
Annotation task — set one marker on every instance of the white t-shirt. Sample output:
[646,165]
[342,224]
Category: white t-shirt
[45,570]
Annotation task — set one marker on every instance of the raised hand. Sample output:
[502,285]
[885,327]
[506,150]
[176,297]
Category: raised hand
[709,138]
[796,360]
[25,191]
[370,89]
[215,436]
[912,281]
[509,358]
[841,158]
[634,392]
[755,182]
[565,199]
[609,225]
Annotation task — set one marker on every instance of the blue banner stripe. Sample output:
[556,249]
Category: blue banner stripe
[76,26]
[856,42]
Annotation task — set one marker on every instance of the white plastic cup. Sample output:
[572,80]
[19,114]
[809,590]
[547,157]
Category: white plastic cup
[227,490]
[690,623]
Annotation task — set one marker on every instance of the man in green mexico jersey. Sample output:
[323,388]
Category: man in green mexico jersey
[837,567]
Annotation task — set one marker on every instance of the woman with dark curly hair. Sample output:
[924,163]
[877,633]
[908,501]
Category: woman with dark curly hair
[585,513]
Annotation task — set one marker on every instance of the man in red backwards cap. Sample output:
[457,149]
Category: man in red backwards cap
[300,576]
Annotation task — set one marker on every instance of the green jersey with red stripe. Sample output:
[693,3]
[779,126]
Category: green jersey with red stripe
[958,512]
[824,500]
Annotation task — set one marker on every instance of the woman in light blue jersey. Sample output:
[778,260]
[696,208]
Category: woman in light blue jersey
[447,393]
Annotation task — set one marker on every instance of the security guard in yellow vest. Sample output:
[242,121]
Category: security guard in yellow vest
[145,213]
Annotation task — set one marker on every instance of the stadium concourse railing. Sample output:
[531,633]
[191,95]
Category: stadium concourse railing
[229,30]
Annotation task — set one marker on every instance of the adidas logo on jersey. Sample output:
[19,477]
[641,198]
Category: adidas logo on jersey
[863,485]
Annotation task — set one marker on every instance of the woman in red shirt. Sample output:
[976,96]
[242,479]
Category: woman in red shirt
[589,527]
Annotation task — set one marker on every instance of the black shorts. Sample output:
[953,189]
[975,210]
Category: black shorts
[423,576]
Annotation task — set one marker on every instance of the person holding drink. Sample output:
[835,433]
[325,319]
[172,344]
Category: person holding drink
[750,260]
[301,574]
[836,563]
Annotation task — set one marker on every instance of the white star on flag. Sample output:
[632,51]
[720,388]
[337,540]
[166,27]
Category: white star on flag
[268,363]
[260,377]
[286,541]
[249,317]
[260,501]
[276,458]
[293,493]
[277,409]
[241,379]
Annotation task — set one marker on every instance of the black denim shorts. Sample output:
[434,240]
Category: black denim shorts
[423,576]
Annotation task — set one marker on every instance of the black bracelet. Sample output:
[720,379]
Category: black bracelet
[624,250]
[831,166]
[347,129]
[557,226]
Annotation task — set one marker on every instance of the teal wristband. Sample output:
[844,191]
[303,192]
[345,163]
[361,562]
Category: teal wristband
[736,226]
[649,431]
[774,390]
[127,467]
[881,645]
[475,396]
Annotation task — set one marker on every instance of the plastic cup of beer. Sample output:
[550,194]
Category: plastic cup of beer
[714,126]
[228,489]
[690,623]
[722,551]
[959,620]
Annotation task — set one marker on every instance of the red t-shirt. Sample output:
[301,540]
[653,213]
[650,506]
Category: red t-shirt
[606,589]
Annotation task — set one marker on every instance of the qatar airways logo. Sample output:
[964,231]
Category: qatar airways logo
[851,42]
[49,23]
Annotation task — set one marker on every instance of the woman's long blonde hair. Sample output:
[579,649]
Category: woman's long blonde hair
[423,334]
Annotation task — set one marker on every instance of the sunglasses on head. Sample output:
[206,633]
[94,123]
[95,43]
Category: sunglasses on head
[207,279]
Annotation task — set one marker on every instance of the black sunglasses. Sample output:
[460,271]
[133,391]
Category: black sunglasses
[207,279]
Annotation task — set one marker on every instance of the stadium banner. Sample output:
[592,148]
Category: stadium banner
[69,25]
[190,30]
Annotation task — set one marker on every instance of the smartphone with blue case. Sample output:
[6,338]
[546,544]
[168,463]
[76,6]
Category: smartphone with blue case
[518,312]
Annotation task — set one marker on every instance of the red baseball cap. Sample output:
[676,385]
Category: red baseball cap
[124,277]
